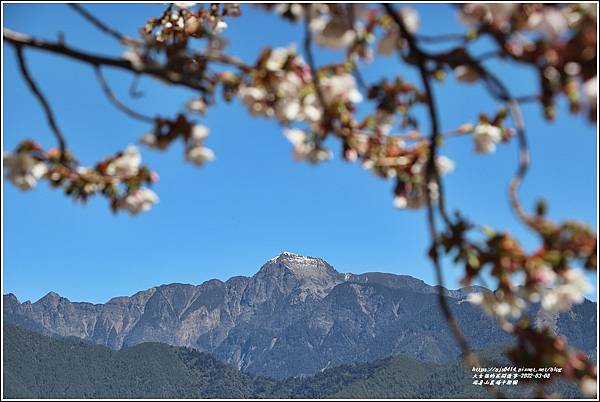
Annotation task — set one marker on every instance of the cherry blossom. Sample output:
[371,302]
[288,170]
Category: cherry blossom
[23,170]
[127,164]
[571,290]
[486,137]
[391,40]
[294,10]
[589,387]
[334,32]
[197,106]
[340,88]
[198,155]
[139,200]
[496,13]
[414,193]
[590,89]
[304,149]
[551,22]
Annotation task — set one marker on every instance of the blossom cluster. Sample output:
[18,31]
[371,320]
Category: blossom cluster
[180,20]
[165,43]
[559,41]
[193,135]
[542,348]
[282,86]
[120,178]
[488,132]
[547,275]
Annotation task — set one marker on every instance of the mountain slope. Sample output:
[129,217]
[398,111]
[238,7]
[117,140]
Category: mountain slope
[295,317]
[37,366]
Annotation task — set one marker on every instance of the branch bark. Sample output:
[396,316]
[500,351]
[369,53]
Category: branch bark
[43,101]
[154,70]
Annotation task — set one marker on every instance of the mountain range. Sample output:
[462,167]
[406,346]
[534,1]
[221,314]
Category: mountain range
[296,317]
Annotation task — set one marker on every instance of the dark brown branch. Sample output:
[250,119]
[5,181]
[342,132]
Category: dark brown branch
[126,40]
[432,173]
[97,60]
[115,101]
[43,101]
[153,70]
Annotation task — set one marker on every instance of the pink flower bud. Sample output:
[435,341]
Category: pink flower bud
[154,177]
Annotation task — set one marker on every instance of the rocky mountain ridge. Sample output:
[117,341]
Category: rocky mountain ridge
[296,316]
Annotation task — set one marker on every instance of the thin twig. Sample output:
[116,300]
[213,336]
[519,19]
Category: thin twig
[115,101]
[126,40]
[43,101]
[523,167]
[133,88]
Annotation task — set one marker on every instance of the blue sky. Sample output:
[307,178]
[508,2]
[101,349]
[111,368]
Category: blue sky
[253,201]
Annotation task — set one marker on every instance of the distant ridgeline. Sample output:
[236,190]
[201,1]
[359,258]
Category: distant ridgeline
[37,366]
[295,317]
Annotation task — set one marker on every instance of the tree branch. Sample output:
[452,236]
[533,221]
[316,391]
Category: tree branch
[43,101]
[157,71]
[126,40]
[115,101]
[523,167]
[431,172]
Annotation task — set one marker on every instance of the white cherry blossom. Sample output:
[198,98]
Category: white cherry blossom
[496,13]
[590,90]
[127,164]
[23,170]
[199,133]
[139,200]
[589,387]
[197,106]
[278,57]
[199,154]
[550,22]
[486,137]
[334,32]
[497,305]
[340,87]
[304,149]
[570,291]
[419,191]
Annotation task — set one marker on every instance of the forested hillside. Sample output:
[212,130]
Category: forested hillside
[37,366]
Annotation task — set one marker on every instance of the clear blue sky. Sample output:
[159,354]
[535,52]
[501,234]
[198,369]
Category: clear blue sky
[254,201]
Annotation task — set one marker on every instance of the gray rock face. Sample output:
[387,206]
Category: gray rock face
[296,316]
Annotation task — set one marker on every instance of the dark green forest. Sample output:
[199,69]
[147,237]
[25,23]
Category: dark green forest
[37,366]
